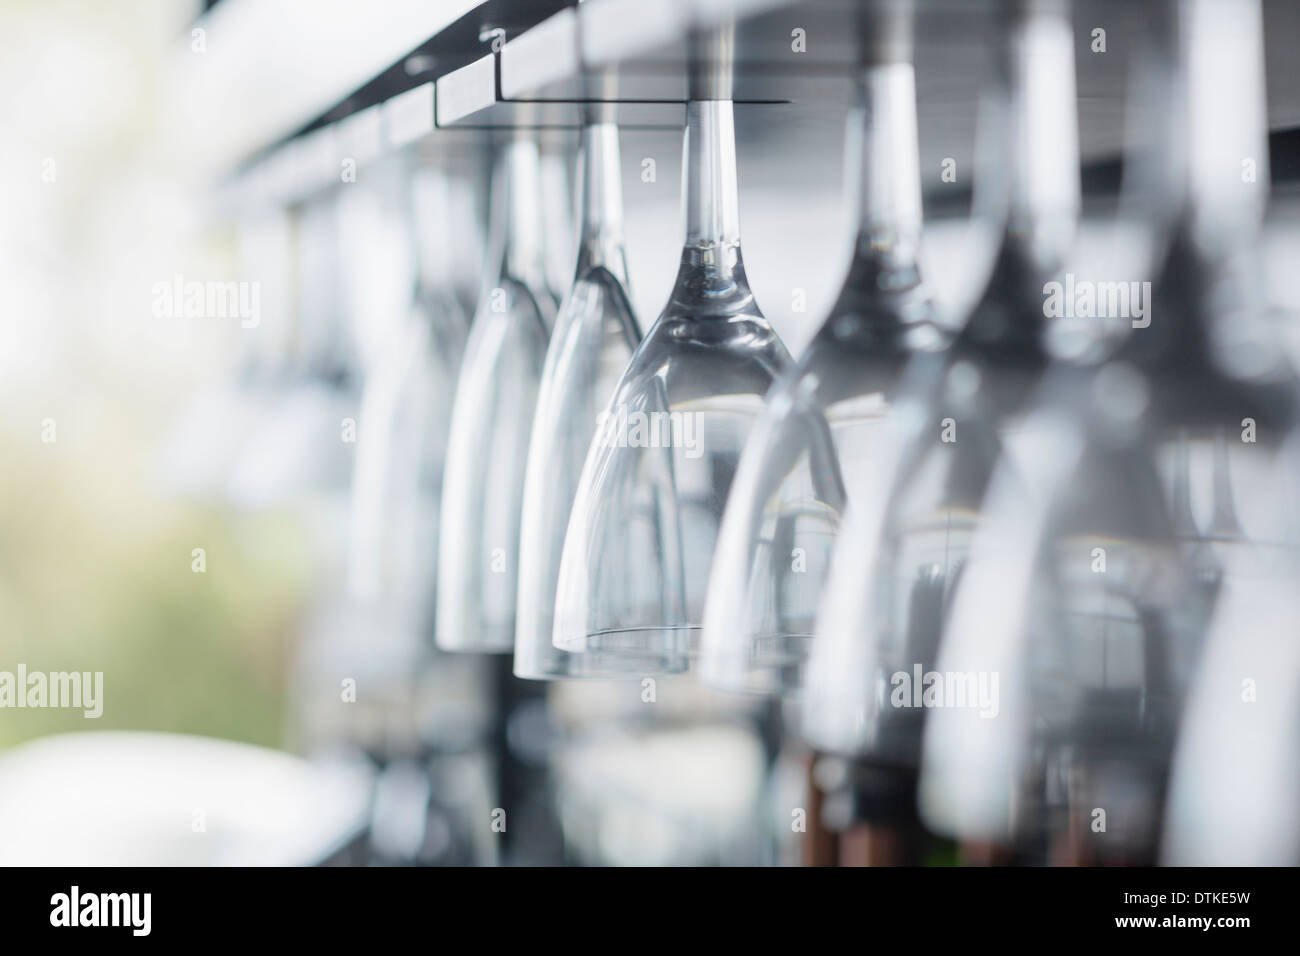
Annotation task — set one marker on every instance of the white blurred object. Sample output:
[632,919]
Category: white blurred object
[300,445]
[667,798]
[296,447]
[199,453]
[557,207]
[1234,797]
[144,799]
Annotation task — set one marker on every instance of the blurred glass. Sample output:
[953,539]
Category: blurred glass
[558,207]
[296,448]
[495,399]
[904,543]
[409,383]
[820,428]
[1234,792]
[1090,585]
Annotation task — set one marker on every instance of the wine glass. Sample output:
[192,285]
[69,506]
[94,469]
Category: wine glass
[1235,781]
[649,502]
[821,426]
[403,285]
[905,537]
[1105,572]
[376,628]
[908,527]
[594,338]
[495,397]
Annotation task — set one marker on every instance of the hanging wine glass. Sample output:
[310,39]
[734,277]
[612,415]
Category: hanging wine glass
[1235,783]
[1104,575]
[410,332]
[821,425]
[909,525]
[594,338]
[905,538]
[650,498]
[495,397]
[400,230]
[558,200]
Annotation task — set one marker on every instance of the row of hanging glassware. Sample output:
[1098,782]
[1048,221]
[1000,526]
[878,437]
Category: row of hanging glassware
[1029,577]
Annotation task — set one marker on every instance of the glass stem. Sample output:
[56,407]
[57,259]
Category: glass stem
[711,279]
[1038,146]
[1223,75]
[709,192]
[1028,176]
[883,169]
[1205,87]
[430,227]
[518,250]
[600,244]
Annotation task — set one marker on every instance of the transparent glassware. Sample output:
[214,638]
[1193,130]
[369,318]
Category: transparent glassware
[495,397]
[558,210]
[1078,618]
[202,448]
[374,620]
[1234,790]
[409,387]
[904,542]
[1105,574]
[594,338]
[649,502]
[821,425]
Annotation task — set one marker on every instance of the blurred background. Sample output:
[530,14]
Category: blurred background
[175,491]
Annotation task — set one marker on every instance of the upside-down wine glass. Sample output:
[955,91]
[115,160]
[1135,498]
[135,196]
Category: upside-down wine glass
[493,413]
[819,428]
[409,387]
[594,338]
[650,499]
[1106,572]
[904,542]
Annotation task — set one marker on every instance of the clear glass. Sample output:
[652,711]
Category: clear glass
[595,336]
[650,498]
[1078,617]
[373,619]
[898,559]
[1234,791]
[495,398]
[1090,584]
[558,203]
[821,425]
[408,391]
